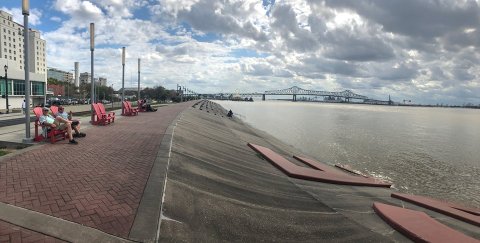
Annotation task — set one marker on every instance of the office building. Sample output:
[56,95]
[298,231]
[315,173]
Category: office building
[12,56]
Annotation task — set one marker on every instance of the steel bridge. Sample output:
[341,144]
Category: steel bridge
[295,90]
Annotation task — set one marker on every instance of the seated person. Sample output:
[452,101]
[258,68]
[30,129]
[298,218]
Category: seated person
[75,123]
[230,113]
[57,123]
[147,106]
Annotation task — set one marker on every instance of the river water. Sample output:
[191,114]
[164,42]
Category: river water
[424,151]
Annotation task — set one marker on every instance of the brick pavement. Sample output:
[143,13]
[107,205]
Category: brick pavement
[97,183]
[13,233]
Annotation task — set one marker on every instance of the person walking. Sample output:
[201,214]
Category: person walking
[24,108]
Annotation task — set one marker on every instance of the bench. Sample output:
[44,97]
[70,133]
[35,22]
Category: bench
[418,226]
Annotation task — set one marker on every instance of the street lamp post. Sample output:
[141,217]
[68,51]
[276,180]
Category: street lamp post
[6,88]
[111,97]
[92,89]
[139,79]
[123,79]
[26,12]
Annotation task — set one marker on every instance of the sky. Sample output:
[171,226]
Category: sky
[426,51]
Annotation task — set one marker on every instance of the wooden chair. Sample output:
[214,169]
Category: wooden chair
[54,110]
[135,110]
[128,110]
[101,119]
[141,108]
[53,134]
[110,115]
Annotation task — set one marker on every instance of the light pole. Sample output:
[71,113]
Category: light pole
[111,98]
[123,79]
[92,89]
[139,79]
[6,87]
[26,12]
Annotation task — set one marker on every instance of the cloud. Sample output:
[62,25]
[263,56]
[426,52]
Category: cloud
[422,48]
[34,18]
[81,12]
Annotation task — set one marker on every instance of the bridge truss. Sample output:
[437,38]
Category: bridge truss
[294,91]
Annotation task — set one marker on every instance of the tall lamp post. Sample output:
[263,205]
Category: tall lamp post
[26,12]
[111,97]
[123,79]
[92,89]
[6,88]
[139,79]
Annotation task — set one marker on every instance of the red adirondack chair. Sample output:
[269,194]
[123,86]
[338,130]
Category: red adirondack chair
[131,108]
[53,134]
[141,108]
[101,119]
[110,115]
[54,110]
[128,110]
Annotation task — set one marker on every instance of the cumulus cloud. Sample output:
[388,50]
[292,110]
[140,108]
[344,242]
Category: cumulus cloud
[79,10]
[34,17]
[413,48]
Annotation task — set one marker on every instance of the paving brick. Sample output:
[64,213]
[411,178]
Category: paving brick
[12,233]
[98,182]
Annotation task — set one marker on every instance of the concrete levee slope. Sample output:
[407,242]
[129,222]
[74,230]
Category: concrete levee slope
[218,189]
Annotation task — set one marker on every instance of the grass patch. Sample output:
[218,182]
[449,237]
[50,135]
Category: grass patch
[4,152]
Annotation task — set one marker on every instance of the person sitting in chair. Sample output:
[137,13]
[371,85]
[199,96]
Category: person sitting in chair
[147,106]
[75,123]
[57,123]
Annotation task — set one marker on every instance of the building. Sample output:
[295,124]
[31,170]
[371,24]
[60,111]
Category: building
[12,56]
[102,81]
[59,75]
[85,78]
[56,90]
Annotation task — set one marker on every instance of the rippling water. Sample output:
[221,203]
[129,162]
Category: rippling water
[425,151]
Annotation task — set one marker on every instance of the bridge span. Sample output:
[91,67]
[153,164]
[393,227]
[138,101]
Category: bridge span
[295,90]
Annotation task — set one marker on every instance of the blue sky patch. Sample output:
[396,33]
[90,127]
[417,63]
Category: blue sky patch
[246,53]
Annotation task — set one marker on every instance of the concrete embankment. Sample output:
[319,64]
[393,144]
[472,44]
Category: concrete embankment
[218,189]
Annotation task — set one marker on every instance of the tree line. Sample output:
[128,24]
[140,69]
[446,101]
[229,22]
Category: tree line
[158,93]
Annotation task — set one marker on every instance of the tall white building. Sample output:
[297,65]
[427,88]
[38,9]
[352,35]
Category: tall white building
[12,56]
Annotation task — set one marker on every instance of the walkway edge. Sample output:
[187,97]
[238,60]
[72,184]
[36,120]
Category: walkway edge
[55,227]
[147,220]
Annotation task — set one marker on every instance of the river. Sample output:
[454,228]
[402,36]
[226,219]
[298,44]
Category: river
[424,151]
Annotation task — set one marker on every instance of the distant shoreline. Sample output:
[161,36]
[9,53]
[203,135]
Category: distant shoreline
[359,103]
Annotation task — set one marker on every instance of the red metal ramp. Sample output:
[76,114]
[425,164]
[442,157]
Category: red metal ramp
[450,209]
[304,173]
[418,226]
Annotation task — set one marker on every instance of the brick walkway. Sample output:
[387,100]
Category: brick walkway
[12,233]
[97,183]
